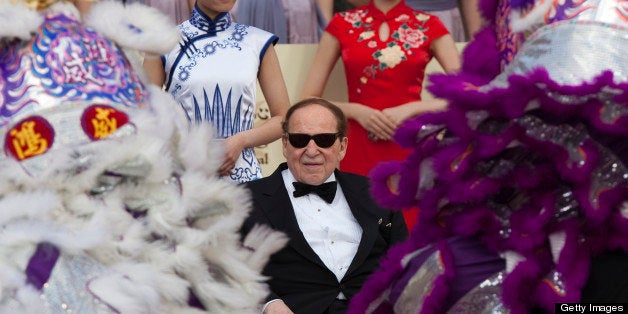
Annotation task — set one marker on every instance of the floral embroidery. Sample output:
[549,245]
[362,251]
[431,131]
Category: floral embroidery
[421,17]
[355,17]
[410,37]
[239,32]
[366,35]
[369,71]
[402,18]
[390,56]
[193,53]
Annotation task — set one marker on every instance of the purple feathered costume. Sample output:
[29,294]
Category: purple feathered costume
[523,181]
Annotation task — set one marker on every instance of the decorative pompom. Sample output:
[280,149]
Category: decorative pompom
[134,26]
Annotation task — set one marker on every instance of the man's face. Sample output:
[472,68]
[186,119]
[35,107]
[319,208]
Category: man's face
[313,164]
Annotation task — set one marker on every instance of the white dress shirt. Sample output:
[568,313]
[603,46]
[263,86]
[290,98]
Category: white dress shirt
[330,229]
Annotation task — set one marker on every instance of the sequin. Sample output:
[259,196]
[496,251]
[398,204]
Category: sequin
[609,174]
[566,204]
[66,290]
[377,302]
[564,46]
[420,285]
[483,299]
[571,138]
[555,280]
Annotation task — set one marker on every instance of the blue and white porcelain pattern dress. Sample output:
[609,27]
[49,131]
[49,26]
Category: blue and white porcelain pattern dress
[213,75]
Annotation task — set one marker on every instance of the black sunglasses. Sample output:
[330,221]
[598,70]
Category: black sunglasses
[323,140]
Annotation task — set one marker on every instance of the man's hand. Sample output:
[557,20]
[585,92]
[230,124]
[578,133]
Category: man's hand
[277,307]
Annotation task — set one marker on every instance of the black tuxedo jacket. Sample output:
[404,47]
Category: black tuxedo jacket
[297,275]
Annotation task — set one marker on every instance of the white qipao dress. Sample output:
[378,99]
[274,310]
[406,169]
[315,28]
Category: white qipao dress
[213,76]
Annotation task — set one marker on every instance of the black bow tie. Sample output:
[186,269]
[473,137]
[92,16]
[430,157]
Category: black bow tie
[326,191]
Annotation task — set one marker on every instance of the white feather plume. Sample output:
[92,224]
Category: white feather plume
[17,20]
[528,21]
[134,26]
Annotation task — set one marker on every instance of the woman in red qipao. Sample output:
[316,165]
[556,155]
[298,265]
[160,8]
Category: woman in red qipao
[385,46]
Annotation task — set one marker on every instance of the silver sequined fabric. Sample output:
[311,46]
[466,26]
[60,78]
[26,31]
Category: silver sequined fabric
[572,53]
[483,299]
[67,289]
[420,285]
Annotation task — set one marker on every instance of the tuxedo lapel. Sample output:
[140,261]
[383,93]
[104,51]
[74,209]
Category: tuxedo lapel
[357,196]
[278,208]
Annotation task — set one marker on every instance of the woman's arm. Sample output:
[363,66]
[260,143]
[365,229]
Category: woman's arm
[276,94]
[446,53]
[327,55]
[471,17]
[155,70]
[327,8]
[83,5]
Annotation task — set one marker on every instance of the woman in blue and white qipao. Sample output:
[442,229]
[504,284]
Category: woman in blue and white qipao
[213,75]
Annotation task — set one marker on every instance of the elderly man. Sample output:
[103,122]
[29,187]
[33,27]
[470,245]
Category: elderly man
[337,232]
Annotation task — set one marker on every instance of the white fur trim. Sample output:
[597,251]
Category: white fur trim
[185,236]
[512,260]
[134,26]
[531,19]
[200,143]
[557,243]
[15,295]
[65,8]
[263,239]
[17,20]
[124,294]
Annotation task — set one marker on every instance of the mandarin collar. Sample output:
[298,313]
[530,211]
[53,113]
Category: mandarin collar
[203,22]
[391,14]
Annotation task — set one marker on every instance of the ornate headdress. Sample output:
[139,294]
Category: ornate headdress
[64,83]
[530,157]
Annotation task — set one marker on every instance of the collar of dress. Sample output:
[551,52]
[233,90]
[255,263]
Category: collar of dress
[203,22]
[392,14]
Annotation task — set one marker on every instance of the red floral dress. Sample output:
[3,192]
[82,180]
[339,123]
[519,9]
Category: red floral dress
[382,74]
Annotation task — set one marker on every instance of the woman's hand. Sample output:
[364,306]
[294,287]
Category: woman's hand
[379,125]
[400,114]
[277,307]
[233,150]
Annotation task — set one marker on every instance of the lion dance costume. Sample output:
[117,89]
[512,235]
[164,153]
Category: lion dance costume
[522,182]
[109,202]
